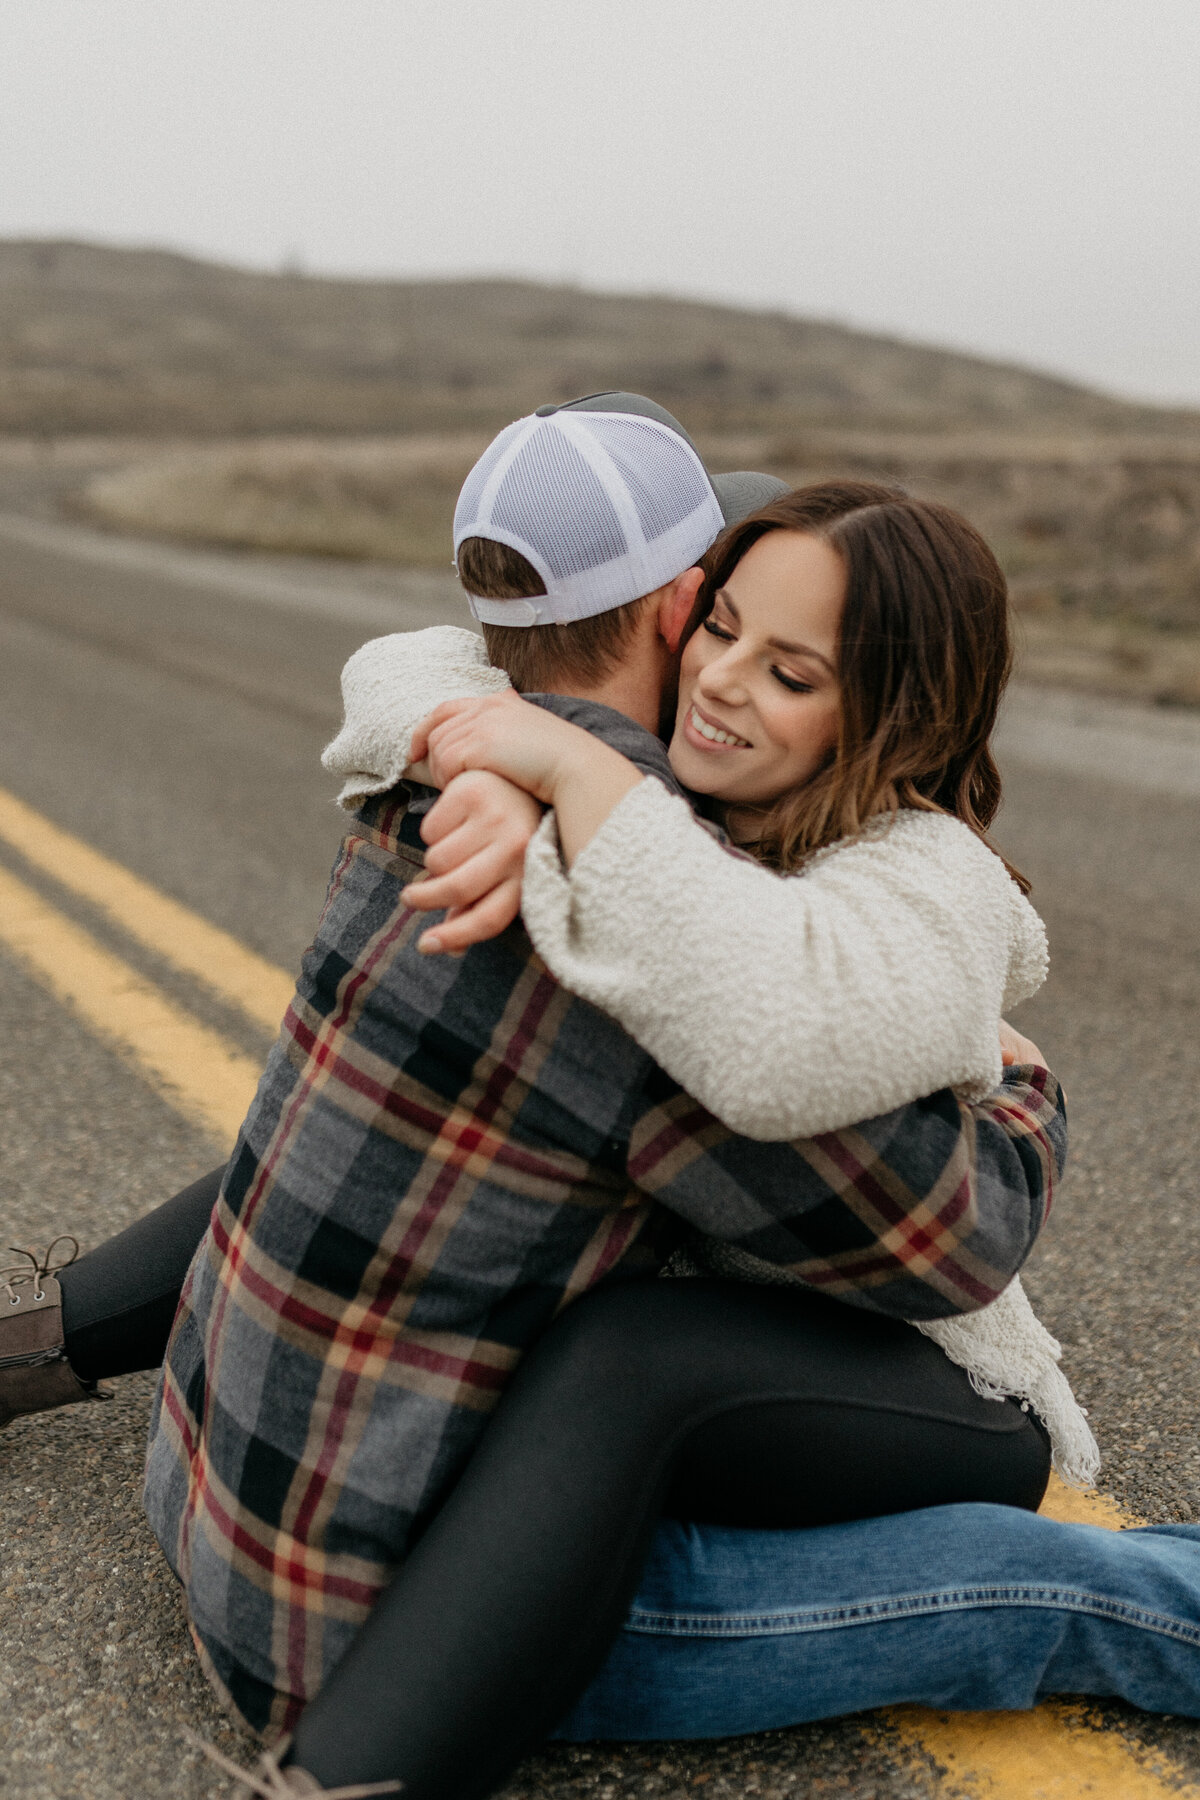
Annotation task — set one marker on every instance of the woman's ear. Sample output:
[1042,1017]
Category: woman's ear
[677,606]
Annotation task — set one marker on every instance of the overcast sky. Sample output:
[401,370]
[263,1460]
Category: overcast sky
[1017,177]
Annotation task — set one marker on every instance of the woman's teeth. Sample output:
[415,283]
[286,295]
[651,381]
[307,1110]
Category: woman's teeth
[713,735]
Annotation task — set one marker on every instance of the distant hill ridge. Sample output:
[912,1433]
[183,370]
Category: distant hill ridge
[94,339]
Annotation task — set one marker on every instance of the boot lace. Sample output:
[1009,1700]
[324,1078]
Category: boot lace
[268,1780]
[35,1266]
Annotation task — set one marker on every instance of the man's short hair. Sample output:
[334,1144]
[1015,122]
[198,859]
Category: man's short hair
[538,658]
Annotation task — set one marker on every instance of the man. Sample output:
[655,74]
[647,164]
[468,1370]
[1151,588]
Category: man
[442,1154]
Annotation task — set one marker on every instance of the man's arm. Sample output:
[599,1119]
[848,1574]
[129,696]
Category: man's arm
[922,1213]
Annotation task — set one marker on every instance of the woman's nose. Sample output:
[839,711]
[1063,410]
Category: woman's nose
[724,679]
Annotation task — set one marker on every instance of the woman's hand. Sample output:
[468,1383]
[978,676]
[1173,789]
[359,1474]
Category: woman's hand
[1015,1049]
[560,764]
[505,734]
[477,834]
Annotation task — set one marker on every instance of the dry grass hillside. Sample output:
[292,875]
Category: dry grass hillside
[101,340]
[155,393]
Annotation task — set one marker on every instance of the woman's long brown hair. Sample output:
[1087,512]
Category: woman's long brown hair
[923,657]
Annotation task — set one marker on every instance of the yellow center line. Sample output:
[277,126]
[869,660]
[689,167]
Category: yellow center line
[181,937]
[1053,1753]
[199,1072]
[1076,1506]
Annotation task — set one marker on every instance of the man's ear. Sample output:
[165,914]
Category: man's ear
[677,605]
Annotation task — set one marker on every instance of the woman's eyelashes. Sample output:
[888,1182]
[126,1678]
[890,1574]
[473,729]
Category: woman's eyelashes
[795,684]
[718,631]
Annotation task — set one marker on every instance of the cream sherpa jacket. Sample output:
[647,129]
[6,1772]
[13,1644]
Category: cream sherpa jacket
[788,1006]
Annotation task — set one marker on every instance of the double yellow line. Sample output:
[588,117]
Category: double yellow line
[1050,1754]
[201,1073]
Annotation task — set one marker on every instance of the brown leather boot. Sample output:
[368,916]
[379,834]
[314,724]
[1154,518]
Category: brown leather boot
[34,1372]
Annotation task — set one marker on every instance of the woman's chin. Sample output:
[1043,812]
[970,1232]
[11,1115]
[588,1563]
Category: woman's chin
[693,769]
[712,776]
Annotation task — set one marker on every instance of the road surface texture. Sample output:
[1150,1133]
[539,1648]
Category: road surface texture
[168,708]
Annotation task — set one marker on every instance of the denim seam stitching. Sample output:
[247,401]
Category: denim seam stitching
[779,1624]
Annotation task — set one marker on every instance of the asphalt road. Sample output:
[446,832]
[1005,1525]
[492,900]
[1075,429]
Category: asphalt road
[170,708]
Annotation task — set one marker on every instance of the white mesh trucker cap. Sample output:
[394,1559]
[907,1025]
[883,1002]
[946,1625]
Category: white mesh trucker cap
[606,497]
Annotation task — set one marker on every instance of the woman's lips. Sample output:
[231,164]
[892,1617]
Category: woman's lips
[704,733]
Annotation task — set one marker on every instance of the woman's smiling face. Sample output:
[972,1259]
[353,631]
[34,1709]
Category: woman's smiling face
[758,687]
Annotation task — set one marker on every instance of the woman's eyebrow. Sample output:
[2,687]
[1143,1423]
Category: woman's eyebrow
[801,650]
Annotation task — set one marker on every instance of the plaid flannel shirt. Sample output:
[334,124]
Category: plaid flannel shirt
[441,1154]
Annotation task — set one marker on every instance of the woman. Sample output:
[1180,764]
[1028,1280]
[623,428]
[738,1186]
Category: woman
[961,1606]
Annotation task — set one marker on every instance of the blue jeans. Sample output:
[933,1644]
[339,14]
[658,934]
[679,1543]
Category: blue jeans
[964,1608]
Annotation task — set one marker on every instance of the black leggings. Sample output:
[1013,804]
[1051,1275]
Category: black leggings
[738,1405]
[119,1300]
